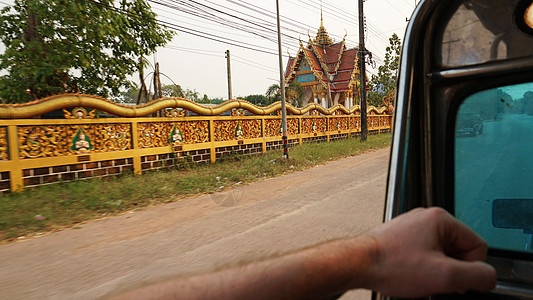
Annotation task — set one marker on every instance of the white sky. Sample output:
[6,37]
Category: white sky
[198,63]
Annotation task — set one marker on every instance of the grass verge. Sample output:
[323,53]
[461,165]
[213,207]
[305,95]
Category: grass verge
[62,205]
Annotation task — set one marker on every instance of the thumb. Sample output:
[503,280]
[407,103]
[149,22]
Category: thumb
[462,276]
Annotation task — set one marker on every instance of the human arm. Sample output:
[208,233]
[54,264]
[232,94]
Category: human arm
[423,252]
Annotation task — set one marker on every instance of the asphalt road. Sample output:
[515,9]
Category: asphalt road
[199,234]
[494,165]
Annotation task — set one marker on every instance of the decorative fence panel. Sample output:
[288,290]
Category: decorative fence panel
[36,152]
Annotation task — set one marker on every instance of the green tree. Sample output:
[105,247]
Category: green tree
[205,99]
[129,95]
[273,93]
[384,83]
[57,46]
[172,90]
[260,100]
[192,95]
[294,93]
[217,100]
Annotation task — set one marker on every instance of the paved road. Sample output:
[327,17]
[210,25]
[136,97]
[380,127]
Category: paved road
[495,164]
[342,198]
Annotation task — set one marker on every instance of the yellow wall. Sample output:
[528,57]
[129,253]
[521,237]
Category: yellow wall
[35,143]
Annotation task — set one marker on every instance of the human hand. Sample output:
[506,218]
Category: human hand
[425,252]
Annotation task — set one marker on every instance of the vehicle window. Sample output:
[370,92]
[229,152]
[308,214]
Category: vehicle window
[471,36]
[494,165]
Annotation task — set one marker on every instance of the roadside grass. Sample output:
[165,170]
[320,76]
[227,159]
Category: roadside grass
[54,207]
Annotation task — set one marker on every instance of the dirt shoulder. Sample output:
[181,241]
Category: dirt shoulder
[198,234]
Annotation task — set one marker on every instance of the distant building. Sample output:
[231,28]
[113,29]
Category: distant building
[328,71]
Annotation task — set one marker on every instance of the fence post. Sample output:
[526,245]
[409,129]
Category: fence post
[300,139]
[15,174]
[263,143]
[212,149]
[328,119]
[137,167]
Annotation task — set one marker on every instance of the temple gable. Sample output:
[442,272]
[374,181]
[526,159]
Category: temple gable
[326,70]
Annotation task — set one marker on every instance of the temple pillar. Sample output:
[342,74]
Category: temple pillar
[323,97]
[347,100]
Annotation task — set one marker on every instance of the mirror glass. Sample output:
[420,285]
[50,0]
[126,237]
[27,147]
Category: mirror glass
[482,31]
[494,165]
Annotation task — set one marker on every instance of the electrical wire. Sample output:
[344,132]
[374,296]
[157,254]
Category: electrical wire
[209,17]
[199,10]
[256,66]
[194,32]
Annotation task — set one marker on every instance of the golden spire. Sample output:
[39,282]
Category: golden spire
[321,18]
[322,37]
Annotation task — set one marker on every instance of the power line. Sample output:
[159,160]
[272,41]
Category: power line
[207,35]
[392,5]
[254,62]
[206,16]
[190,51]
[210,16]
[203,27]
[379,35]
[194,32]
[255,66]
[234,57]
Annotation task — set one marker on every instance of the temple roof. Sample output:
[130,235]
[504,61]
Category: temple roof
[332,65]
[322,37]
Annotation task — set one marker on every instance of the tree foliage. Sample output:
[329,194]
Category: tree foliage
[259,100]
[294,93]
[193,95]
[273,92]
[172,90]
[57,46]
[384,83]
[204,99]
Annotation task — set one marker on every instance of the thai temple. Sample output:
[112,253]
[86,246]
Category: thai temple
[328,71]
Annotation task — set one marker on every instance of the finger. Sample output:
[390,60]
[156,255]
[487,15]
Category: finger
[461,276]
[461,242]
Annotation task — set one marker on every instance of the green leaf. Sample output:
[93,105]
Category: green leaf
[57,46]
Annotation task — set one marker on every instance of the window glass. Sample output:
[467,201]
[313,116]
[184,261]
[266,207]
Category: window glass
[494,165]
[482,31]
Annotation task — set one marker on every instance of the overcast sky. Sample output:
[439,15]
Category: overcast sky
[195,58]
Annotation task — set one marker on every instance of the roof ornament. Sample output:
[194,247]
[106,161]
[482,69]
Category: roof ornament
[322,37]
[321,18]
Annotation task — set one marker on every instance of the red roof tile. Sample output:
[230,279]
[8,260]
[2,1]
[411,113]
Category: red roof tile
[289,66]
[342,76]
[340,87]
[332,53]
[341,79]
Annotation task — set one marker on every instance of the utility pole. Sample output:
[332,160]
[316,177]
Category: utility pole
[362,86]
[158,89]
[143,91]
[230,96]
[282,88]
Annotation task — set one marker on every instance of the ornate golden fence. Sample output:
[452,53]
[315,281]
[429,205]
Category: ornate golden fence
[82,144]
